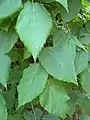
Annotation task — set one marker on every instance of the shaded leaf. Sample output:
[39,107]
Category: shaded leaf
[89,54]
[81,61]
[64,3]
[16,54]
[29,116]
[87,25]
[78,98]
[7,41]
[15,75]
[50,117]
[10,98]
[5,24]
[54,98]
[79,44]
[85,79]
[3,110]
[85,39]
[27,54]
[14,117]
[84,117]
[9,7]
[4,72]
[32,116]
[73,8]
[75,27]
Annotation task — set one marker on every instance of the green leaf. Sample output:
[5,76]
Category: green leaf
[61,57]
[15,75]
[63,39]
[9,7]
[85,105]
[63,3]
[89,54]
[87,25]
[15,117]
[7,40]
[83,31]
[50,117]
[33,26]
[5,24]
[85,79]
[16,54]
[33,103]
[74,27]
[72,109]
[27,54]
[34,79]
[4,72]
[78,98]
[33,116]
[81,61]
[54,98]
[79,44]
[10,98]
[88,0]
[29,116]
[73,8]
[3,110]
[85,39]
[83,117]
[38,113]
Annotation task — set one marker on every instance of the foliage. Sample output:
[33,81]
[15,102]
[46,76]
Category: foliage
[44,59]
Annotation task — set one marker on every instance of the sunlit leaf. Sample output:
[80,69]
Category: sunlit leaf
[33,26]
[34,79]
